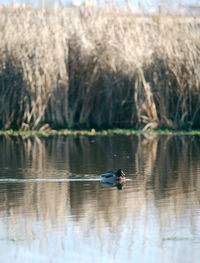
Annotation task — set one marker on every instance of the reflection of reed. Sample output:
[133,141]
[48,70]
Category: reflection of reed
[164,172]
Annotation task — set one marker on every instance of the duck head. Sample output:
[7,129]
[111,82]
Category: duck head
[120,173]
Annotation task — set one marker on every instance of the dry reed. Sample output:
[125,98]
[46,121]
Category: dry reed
[98,69]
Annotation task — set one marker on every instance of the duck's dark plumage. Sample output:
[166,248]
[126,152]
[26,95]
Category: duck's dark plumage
[111,176]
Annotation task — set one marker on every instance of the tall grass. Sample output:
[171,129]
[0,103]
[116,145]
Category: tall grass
[104,68]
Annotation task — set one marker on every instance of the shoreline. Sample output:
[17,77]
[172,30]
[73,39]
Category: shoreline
[93,132]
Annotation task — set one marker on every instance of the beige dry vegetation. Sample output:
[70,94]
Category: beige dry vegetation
[98,69]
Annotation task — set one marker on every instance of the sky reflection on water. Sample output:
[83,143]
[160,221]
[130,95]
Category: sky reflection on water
[154,218]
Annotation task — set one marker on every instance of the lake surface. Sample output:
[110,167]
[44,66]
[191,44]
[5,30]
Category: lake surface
[53,207]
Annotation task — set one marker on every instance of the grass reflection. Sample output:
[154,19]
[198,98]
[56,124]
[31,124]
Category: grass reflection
[164,190]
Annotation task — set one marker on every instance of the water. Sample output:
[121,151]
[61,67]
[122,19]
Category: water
[53,207]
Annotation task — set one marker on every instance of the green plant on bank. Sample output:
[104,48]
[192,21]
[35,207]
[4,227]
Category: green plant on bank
[106,68]
[178,239]
[125,132]
[16,239]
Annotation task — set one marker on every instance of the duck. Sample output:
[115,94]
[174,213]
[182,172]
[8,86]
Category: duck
[113,177]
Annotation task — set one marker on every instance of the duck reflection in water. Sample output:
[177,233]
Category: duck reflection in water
[119,186]
[114,179]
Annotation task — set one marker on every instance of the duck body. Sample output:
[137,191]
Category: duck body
[113,177]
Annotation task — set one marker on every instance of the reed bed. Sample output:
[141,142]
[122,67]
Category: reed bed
[98,69]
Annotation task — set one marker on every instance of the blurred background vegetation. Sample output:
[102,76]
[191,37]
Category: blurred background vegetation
[99,65]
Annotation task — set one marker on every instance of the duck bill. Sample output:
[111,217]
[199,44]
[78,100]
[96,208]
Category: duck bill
[123,174]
